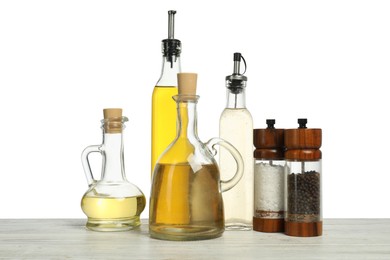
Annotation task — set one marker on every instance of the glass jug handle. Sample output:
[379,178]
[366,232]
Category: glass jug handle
[228,184]
[85,162]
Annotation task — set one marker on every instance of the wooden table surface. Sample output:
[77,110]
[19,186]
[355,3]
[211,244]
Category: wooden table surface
[69,239]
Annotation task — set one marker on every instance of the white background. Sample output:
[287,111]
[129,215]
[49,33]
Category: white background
[62,62]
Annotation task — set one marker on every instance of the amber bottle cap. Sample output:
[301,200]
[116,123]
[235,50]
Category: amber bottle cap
[187,83]
[303,143]
[269,142]
[112,120]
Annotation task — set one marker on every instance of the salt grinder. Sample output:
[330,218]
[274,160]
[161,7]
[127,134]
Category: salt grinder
[269,179]
[303,216]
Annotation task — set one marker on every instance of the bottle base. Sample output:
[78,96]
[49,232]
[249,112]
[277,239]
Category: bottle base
[303,229]
[238,226]
[110,225]
[184,233]
[268,225]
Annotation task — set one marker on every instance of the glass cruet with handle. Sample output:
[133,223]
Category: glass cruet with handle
[186,195]
[111,203]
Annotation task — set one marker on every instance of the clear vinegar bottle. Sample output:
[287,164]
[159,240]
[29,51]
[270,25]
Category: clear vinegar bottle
[236,127]
[163,107]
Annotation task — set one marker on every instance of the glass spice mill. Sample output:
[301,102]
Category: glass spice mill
[303,216]
[269,178]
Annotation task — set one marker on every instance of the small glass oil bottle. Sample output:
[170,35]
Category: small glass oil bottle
[111,203]
[163,107]
[236,127]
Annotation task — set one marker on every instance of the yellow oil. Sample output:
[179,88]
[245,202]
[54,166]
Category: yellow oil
[186,205]
[113,214]
[163,120]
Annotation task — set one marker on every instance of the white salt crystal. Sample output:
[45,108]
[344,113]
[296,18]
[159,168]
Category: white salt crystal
[269,187]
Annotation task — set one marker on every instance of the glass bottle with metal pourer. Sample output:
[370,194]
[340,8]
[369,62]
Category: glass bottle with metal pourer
[111,203]
[163,107]
[186,200]
[236,127]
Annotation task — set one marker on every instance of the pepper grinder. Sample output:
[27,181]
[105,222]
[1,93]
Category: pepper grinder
[303,216]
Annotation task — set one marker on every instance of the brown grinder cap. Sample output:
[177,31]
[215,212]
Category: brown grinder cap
[303,143]
[269,142]
[112,120]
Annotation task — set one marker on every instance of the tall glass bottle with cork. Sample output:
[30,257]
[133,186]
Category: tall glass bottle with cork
[163,107]
[236,126]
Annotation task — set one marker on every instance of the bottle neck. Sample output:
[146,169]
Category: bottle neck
[236,98]
[187,119]
[113,163]
[170,67]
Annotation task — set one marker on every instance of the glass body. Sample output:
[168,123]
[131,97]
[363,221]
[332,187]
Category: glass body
[164,108]
[303,196]
[186,200]
[269,189]
[111,203]
[236,127]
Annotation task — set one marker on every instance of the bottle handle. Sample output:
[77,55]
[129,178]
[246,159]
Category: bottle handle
[85,162]
[228,184]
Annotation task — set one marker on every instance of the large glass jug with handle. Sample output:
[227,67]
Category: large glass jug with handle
[186,201]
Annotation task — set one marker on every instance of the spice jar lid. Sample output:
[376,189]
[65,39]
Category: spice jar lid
[269,142]
[303,143]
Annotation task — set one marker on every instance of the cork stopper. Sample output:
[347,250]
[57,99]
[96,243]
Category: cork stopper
[112,113]
[187,83]
[112,122]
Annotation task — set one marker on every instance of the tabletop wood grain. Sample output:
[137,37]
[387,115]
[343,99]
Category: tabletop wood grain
[69,239]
